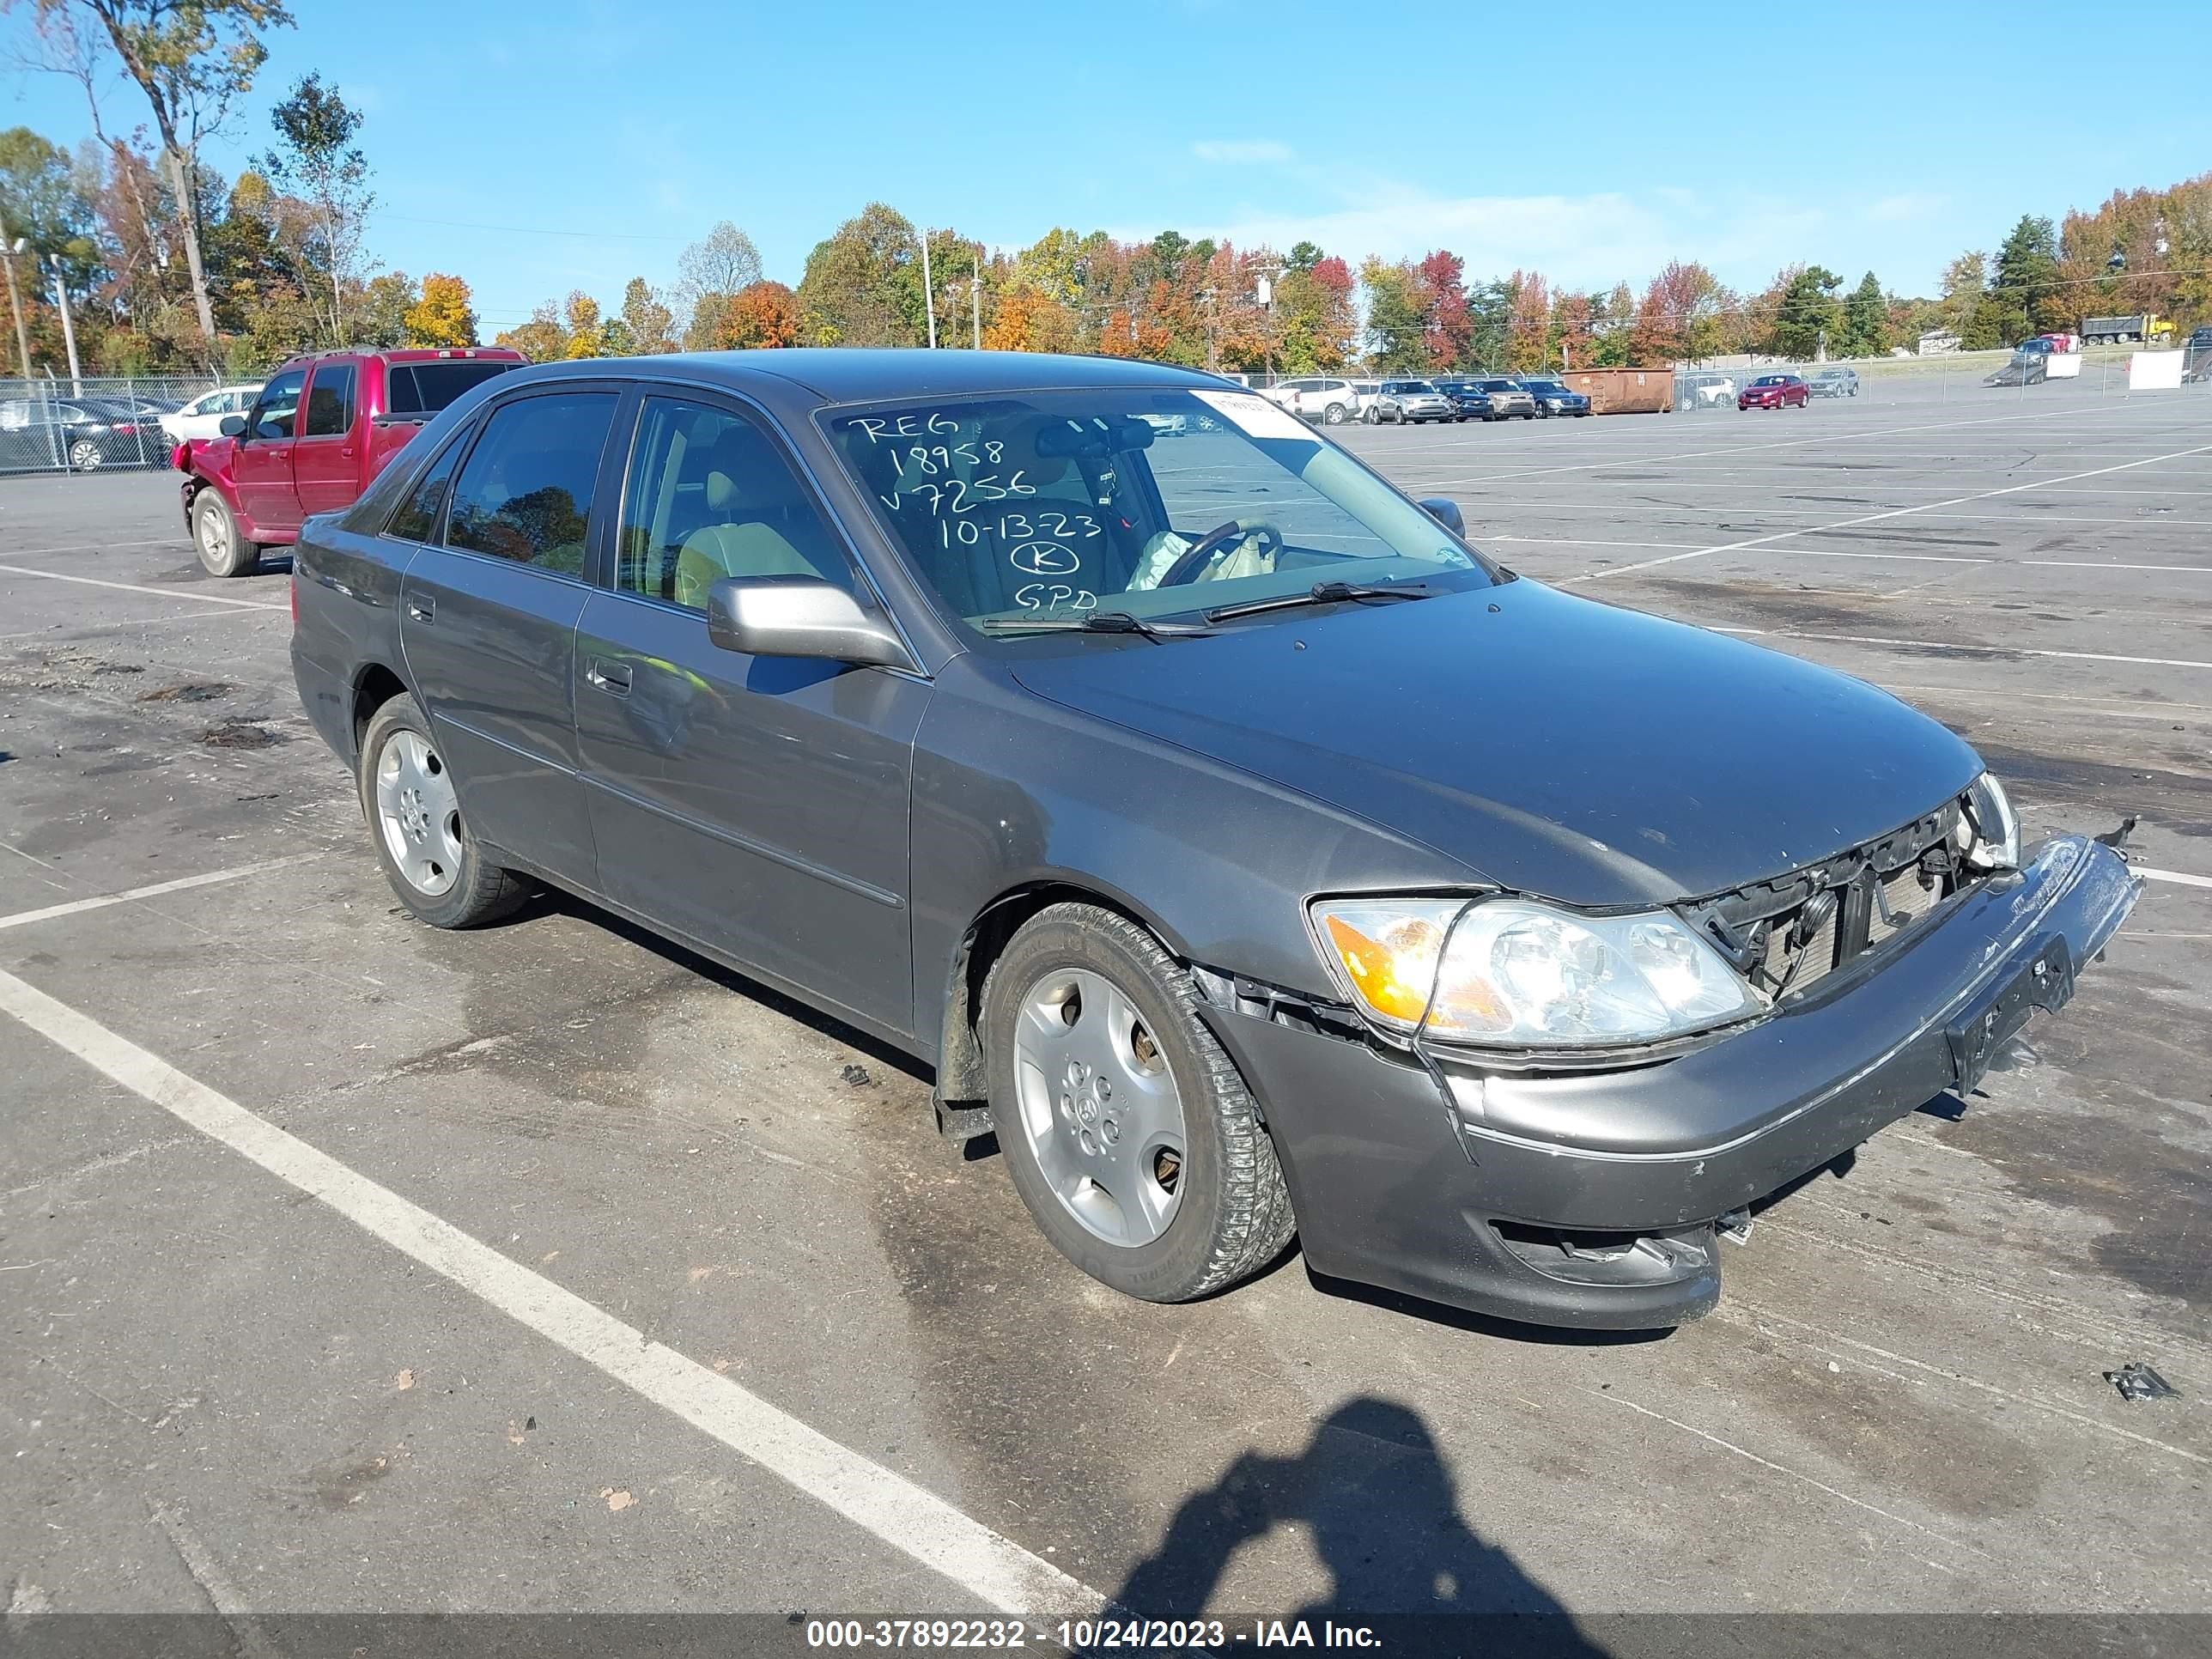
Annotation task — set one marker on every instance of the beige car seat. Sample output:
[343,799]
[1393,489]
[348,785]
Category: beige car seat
[726,549]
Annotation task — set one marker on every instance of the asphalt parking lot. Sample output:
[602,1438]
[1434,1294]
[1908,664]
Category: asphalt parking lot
[715,1321]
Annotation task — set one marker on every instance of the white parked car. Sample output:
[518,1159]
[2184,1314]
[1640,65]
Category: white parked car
[203,417]
[1317,399]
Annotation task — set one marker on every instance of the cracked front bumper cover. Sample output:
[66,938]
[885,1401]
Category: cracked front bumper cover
[1386,1196]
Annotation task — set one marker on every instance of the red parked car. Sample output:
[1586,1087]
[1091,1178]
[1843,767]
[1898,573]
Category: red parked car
[321,428]
[1775,391]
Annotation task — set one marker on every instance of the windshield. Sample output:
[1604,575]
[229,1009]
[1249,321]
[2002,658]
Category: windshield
[1771,379]
[1055,505]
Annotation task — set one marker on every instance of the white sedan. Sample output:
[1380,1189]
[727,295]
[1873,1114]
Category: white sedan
[203,417]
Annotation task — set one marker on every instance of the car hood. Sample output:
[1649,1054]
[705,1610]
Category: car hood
[1549,743]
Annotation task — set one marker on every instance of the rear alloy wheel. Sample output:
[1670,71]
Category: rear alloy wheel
[1334,414]
[1127,1131]
[414,814]
[84,456]
[216,538]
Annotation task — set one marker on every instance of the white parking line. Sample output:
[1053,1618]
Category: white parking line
[100,902]
[909,1518]
[140,587]
[90,547]
[1885,517]
[2174,875]
[1946,645]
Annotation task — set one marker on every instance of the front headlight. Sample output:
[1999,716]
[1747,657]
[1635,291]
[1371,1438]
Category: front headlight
[1522,975]
[1996,843]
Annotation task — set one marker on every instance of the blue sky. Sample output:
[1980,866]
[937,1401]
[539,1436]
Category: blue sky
[534,147]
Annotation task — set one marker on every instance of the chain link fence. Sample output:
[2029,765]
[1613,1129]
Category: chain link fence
[96,423]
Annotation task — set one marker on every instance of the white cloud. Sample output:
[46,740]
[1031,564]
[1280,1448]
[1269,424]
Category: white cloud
[1583,241]
[1241,151]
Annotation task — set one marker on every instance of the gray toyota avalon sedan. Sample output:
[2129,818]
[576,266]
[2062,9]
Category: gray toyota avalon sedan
[1250,852]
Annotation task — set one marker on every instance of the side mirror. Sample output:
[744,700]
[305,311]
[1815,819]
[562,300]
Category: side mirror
[798,616]
[1446,513]
[231,426]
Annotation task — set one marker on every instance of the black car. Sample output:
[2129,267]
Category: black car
[1239,843]
[1492,398]
[1468,401]
[78,433]
[1554,397]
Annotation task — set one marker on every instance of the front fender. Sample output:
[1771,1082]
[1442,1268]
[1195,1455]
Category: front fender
[1012,792]
[209,463]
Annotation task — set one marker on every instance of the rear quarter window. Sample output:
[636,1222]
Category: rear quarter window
[426,388]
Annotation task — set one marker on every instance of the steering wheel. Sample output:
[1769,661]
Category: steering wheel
[1195,558]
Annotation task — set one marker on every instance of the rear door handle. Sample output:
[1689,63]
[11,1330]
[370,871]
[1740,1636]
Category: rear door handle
[612,677]
[421,608]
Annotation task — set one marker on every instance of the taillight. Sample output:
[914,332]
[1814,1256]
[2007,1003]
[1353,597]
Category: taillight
[125,429]
[291,588]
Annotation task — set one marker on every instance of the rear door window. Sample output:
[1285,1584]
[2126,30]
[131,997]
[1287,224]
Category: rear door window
[524,492]
[329,402]
[417,519]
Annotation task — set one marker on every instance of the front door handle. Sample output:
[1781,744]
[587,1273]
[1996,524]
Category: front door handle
[421,608]
[612,677]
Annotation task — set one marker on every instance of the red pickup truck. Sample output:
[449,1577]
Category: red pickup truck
[322,427]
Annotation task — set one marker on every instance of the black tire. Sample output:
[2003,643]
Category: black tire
[216,538]
[85,455]
[480,891]
[1233,1215]
[1332,415]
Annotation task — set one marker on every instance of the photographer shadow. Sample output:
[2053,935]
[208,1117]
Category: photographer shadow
[1376,1499]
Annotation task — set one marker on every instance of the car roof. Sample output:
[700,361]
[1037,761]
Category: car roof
[845,374]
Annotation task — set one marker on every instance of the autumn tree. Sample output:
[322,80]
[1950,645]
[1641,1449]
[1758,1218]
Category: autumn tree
[192,59]
[1528,325]
[1447,329]
[443,316]
[542,339]
[1315,324]
[759,316]
[587,334]
[1679,319]
[315,157]
[1571,327]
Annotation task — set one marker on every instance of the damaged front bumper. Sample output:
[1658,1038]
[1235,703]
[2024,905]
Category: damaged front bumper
[1589,1198]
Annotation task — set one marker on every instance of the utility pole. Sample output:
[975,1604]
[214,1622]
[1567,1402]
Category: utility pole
[975,295]
[8,250]
[929,291]
[69,328]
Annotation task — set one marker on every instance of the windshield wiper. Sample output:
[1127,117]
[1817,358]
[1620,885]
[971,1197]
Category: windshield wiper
[1095,622]
[1319,594]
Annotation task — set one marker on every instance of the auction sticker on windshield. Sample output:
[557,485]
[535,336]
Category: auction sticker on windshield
[1254,415]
